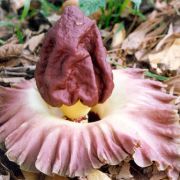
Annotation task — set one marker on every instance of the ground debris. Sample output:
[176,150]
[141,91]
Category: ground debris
[119,35]
[145,34]
[97,175]
[10,51]
[4,173]
[169,57]
[17,71]
[125,173]
[34,42]
[173,85]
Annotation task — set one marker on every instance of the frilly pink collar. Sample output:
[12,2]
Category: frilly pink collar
[136,120]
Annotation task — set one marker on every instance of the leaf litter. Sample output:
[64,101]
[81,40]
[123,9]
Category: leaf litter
[153,44]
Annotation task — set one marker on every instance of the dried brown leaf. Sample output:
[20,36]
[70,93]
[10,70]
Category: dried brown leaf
[114,170]
[115,58]
[10,50]
[125,172]
[172,34]
[12,40]
[144,35]
[10,63]
[169,57]
[174,84]
[118,36]
[5,32]
[176,5]
[53,18]
[158,175]
[34,42]
[30,175]
[161,5]
[97,175]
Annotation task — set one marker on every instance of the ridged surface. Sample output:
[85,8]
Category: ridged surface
[136,120]
[72,63]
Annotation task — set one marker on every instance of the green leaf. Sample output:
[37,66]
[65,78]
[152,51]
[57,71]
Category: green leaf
[19,34]
[25,10]
[91,6]
[46,7]
[155,76]
[124,5]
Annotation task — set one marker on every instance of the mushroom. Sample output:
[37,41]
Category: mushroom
[136,116]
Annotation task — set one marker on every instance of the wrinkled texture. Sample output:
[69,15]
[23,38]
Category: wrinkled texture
[73,63]
[137,120]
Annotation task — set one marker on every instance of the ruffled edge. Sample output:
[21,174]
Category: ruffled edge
[143,124]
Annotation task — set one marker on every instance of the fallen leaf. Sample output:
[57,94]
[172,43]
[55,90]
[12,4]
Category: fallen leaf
[176,5]
[170,56]
[4,174]
[144,35]
[30,176]
[119,35]
[97,175]
[53,18]
[174,84]
[172,34]
[147,35]
[10,50]
[12,40]
[15,5]
[114,170]
[161,5]
[34,42]
[5,33]
[10,63]
[158,175]
[115,58]
[31,57]
[124,172]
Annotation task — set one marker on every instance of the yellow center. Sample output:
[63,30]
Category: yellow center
[75,111]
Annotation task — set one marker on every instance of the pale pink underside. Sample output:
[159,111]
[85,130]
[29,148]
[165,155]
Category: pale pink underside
[136,120]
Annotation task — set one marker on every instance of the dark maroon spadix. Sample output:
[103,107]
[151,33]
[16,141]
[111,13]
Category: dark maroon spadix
[73,63]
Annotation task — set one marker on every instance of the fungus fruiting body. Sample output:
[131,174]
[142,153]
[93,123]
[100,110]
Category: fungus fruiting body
[136,116]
